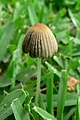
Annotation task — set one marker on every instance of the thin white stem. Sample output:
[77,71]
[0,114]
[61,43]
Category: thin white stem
[38,80]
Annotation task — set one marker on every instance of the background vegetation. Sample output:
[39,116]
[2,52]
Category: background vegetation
[18,102]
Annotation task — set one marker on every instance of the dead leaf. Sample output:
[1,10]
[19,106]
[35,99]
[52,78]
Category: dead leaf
[72,82]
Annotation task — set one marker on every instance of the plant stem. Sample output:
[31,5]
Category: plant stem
[38,80]
[50,94]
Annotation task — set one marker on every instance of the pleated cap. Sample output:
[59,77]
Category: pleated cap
[39,41]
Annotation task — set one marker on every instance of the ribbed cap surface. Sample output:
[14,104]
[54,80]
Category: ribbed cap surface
[39,41]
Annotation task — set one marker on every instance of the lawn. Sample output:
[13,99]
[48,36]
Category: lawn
[39,88]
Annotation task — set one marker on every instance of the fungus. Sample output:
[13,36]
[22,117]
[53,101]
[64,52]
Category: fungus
[40,43]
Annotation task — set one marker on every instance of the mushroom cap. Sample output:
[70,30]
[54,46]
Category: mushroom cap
[39,41]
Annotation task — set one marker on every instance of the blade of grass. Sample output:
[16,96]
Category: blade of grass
[25,74]
[15,60]
[5,109]
[70,113]
[4,81]
[5,39]
[50,93]
[45,115]
[53,69]
[41,14]
[32,15]
[72,17]
[41,103]
[70,49]
[59,61]
[78,103]
[71,99]
[78,109]
[62,95]
[18,110]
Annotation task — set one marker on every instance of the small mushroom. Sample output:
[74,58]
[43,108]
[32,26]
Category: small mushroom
[40,41]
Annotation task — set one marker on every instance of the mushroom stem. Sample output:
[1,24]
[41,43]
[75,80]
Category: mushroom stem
[38,80]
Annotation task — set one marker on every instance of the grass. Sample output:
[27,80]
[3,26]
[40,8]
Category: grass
[25,93]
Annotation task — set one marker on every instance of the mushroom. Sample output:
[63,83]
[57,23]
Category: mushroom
[40,43]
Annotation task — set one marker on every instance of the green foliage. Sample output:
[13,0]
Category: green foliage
[62,95]
[18,110]
[45,115]
[5,108]
[6,37]
[19,72]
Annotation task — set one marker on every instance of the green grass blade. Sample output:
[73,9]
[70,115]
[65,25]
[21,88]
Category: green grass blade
[71,99]
[53,69]
[5,39]
[70,49]
[5,108]
[70,113]
[41,102]
[14,67]
[45,115]
[32,15]
[18,110]
[50,93]
[26,74]
[72,17]
[4,81]
[62,95]
[78,109]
